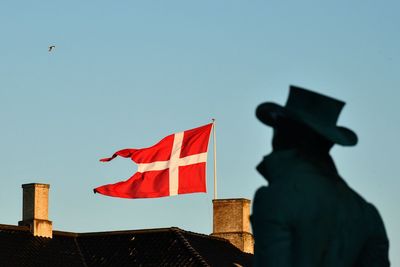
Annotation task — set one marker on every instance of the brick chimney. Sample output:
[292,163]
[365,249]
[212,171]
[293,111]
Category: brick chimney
[35,211]
[232,222]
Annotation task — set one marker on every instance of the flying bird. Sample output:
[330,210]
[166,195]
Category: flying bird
[51,47]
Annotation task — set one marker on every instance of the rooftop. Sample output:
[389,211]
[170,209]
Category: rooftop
[150,247]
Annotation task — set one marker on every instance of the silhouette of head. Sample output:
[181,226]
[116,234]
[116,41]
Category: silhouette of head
[289,134]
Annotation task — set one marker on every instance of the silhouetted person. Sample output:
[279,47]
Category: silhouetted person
[308,216]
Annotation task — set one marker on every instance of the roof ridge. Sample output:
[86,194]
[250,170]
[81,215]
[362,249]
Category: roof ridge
[80,252]
[186,243]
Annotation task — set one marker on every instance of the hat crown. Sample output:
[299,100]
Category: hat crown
[315,106]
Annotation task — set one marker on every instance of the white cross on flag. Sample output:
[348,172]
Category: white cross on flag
[175,165]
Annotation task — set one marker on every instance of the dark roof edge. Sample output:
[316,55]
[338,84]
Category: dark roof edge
[14,227]
[64,233]
[26,228]
[153,230]
[117,232]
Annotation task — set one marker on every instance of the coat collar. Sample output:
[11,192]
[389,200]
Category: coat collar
[286,163]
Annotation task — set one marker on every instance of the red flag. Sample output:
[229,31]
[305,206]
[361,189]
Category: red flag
[175,165]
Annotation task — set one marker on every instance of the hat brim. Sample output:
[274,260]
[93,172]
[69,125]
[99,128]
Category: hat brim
[269,113]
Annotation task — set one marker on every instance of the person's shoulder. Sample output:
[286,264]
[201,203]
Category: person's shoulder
[372,216]
[261,193]
[349,192]
[373,212]
[371,207]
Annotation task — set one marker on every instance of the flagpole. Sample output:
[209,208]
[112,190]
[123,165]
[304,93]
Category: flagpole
[215,159]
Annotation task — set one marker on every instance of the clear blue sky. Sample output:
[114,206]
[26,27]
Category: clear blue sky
[127,73]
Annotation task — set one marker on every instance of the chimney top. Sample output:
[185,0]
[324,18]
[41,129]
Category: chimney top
[35,212]
[233,200]
[36,185]
[231,221]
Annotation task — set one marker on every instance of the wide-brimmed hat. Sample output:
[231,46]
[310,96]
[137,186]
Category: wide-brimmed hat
[319,112]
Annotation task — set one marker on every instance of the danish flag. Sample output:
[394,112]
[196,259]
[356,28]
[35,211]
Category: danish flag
[175,165]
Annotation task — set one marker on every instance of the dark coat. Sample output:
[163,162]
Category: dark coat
[309,217]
